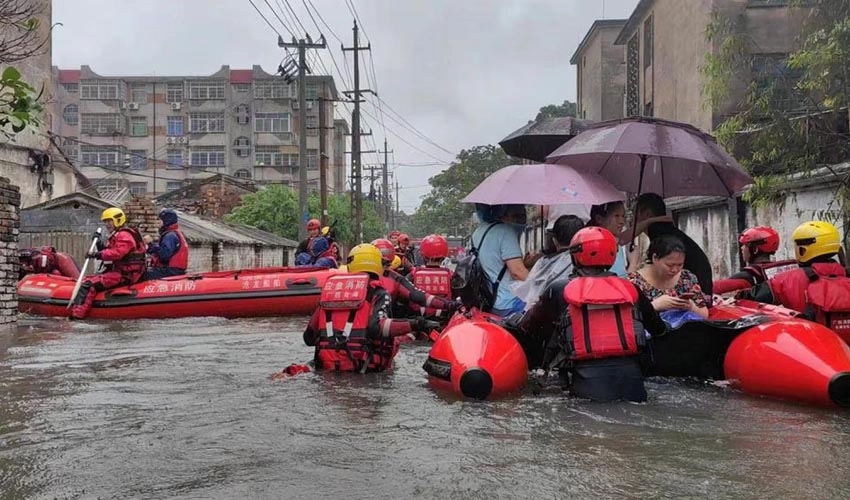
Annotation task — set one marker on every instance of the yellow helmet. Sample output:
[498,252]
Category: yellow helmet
[815,239]
[365,258]
[116,215]
[326,230]
[396,263]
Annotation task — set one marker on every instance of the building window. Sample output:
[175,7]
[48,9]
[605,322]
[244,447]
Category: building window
[206,123]
[138,126]
[207,156]
[71,88]
[272,89]
[312,92]
[632,77]
[138,93]
[100,89]
[648,49]
[772,76]
[205,90]
[138,188]
[106,186]
[312,125]
[101,124]
[271,122]
[71,114]
[270,156]
[174,92]
[99,156]
[138,159]
[242,87]
[312,159]
[173,185]
[242,147]
[175,126]
[174,159]
[243,114]
[243,173]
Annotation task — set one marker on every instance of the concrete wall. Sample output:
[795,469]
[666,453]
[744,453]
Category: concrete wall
[613,74]
[590,79]
[10,204]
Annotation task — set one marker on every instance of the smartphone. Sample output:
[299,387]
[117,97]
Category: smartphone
[687,296]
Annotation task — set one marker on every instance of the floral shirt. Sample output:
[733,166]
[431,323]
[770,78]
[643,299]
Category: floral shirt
[688,283]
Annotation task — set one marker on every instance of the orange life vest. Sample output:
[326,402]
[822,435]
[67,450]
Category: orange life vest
[600,321]
[344,310]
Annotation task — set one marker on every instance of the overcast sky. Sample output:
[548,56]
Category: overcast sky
[462,72]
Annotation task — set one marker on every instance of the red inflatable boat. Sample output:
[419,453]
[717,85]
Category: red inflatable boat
[274,291]
[762,350]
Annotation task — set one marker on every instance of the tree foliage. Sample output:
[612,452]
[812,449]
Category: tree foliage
[19,40]
[441,210]
[793,121]
[567,108]
[275,209]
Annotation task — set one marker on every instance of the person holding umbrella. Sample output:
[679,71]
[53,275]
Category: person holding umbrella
[497,241]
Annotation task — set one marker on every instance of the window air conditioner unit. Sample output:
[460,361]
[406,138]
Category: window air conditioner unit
[101,130]
[309,104]
[171,140]
[133,106]
[175,106]
[295,105]
[184,140]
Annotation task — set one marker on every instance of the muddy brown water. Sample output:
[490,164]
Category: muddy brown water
[186,409]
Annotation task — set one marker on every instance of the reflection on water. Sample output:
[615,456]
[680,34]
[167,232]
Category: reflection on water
[186,409]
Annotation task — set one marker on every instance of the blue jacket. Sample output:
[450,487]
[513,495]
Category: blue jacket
[166,248]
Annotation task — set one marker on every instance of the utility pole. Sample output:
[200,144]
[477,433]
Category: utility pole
[395,226]
[355,135]
[302,45]
[385,202]
[323,164]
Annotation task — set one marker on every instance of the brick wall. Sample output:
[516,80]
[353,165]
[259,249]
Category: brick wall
[143,215]
[219,200]
[10,205]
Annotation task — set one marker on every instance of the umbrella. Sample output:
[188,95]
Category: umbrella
[543,184]
[651,155]
[539,138]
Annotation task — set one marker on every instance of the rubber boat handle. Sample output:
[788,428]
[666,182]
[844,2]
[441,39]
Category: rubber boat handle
[301,282]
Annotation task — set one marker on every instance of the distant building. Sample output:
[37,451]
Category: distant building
[341,132]
[30,161]
[664,44]
[153,134]
[601,72]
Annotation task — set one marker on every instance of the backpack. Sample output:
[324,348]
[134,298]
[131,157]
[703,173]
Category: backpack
[828,302]
[470,282]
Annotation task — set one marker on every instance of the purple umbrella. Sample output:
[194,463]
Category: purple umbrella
[543,184]
[650,155]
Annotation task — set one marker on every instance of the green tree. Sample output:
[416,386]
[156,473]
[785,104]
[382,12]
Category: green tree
[19,103]
[793,118]
[441,210]
[274,208]
[567,108]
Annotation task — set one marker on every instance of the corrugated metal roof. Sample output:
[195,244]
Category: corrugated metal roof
[200,229]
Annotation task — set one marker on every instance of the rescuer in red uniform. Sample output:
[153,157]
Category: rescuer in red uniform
[431,277]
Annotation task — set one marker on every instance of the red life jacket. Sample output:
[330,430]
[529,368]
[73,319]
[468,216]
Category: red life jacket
[44,261]
[764,271]
[821,291]
[132,265]
[436,281]
[180,259]
[601,322]
[345,306]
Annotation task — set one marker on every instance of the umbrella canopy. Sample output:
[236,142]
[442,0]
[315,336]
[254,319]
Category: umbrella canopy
[543,184]
[651,155]
[537,139]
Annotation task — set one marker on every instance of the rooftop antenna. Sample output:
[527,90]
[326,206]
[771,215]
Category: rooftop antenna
[603,9]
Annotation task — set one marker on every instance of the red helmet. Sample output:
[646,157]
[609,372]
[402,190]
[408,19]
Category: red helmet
[387,249]
[393,233]
[594,247]
[313,224]
[760,239]
[403,238]
[434,246]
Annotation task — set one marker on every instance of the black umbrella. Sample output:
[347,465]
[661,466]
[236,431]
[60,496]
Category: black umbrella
[537,139]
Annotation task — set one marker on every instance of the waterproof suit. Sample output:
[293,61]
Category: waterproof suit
[352,330]
[592,329]
[124,259]
[47,260]
[169,257]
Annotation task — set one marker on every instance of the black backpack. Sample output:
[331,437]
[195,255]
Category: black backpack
[471,284]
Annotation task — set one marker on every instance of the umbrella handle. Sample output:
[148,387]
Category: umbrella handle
[79,283]
[634,215]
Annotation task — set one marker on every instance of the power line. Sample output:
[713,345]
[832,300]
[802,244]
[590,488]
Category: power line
[413,128]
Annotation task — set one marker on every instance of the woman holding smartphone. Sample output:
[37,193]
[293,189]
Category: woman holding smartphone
[664,280]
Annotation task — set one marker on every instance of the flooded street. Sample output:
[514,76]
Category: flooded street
[186,409]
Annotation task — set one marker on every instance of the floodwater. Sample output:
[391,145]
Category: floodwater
[186,409]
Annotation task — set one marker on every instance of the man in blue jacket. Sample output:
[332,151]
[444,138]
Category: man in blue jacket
[169,256]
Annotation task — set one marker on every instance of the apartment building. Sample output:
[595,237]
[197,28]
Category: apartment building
[663,45]
[154,134]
